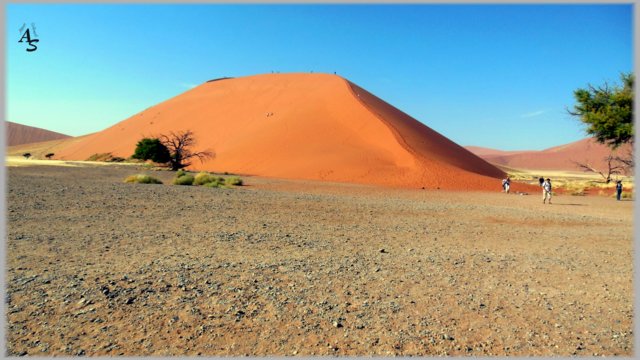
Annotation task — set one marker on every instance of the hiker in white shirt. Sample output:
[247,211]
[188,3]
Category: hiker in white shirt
[546,190]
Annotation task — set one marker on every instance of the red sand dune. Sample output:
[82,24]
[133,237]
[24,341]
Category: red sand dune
[18,134]
[301,126]
[561,157]
[483,151]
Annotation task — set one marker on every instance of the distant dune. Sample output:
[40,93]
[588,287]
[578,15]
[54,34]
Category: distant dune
[483,151]
[17,134]
[300,126]
[561,157]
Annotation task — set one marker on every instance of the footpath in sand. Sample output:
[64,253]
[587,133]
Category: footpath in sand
[99,267]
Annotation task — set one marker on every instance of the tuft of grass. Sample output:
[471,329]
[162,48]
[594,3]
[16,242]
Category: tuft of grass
[207,179]
[215,184]
[203,178]
[100,157]
[575,188]
[142,179]
[185,179]
[233,180]
[624,195]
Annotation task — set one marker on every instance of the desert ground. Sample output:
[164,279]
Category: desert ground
[96,266]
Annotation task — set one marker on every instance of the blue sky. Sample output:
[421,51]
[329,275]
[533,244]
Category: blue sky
[499,76]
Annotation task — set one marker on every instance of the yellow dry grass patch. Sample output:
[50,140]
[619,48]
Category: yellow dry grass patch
[12,161]
[574,182]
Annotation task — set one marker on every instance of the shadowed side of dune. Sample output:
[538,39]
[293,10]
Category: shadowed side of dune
[423,141]
[18,134]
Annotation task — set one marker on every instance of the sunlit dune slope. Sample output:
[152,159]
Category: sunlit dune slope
[301,126]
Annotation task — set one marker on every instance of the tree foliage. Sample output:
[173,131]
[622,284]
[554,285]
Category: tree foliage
[180,146]
[607,111]
[152,149]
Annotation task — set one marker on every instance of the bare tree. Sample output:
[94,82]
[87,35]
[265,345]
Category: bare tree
[613,167]
[179,145]
[626,160]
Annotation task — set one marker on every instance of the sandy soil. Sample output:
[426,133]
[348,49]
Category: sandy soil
[99,267]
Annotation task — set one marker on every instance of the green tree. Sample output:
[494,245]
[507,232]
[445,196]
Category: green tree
[152,149]
[607,111]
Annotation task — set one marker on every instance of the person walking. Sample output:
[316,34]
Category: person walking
[618,189]
[541,181]
[546,190]
[504,184]
[507,185]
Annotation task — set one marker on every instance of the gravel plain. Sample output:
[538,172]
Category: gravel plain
[281,267]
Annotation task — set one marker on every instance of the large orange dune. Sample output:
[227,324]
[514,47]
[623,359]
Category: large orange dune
[563,157]
[300,126]
[17,134]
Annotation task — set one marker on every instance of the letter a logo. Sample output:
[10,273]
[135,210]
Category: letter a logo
[27,36]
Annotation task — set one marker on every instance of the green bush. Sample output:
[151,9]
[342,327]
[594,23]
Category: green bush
[186,179]
[151,149]
[142,179]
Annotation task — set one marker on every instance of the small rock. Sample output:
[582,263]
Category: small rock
[337,324]
[383,251]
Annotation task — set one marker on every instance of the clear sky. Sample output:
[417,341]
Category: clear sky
[498,76]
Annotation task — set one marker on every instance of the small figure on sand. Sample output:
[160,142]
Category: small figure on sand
[618,189]
[546,190]
[506,184]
